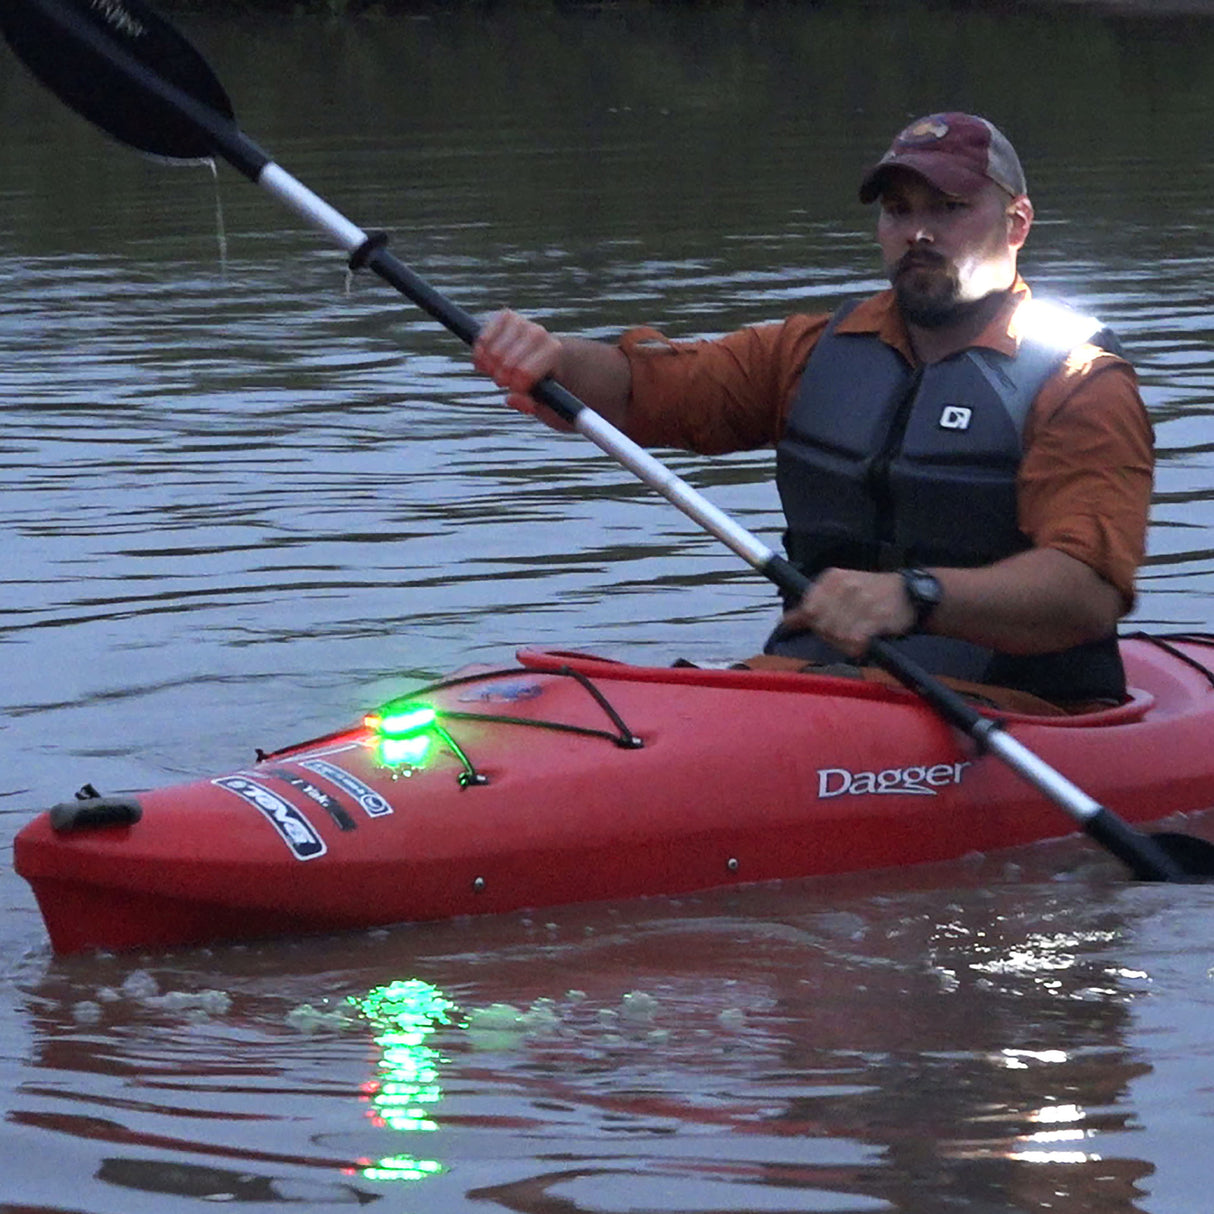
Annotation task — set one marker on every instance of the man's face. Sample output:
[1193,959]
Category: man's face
[942,253]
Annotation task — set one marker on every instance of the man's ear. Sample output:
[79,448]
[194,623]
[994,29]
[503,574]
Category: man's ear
[1019,220]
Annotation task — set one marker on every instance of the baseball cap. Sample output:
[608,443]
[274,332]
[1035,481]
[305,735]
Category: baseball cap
[957,153]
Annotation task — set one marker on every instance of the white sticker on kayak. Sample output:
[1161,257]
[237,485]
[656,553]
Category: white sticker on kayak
[297,832]
[506,693]
[918,781]
[369,801]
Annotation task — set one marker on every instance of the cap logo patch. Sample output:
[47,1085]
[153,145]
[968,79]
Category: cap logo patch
[926,130]
[956,417]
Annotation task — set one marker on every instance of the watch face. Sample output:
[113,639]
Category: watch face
[924,591]
[925,588]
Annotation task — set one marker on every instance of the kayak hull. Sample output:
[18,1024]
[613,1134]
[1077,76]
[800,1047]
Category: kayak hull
[570,778]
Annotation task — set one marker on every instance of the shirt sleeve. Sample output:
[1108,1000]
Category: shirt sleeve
[1085,482]
[729,394]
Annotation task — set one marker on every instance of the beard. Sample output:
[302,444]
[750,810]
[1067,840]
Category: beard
[927,289]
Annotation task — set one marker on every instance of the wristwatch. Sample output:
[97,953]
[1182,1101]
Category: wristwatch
[923,592]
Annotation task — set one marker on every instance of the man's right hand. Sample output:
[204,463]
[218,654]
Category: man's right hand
[516,353]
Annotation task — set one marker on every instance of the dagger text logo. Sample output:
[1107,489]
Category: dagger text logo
[918,781]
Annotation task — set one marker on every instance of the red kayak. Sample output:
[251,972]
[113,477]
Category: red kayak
[572,778]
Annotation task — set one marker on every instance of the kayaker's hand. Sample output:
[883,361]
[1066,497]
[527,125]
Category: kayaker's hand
[848,608]
[516,353]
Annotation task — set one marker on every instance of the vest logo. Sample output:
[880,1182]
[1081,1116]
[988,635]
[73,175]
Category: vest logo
[916,781]
[956,417]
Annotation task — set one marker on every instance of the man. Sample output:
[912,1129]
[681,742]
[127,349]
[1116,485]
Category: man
[959,466]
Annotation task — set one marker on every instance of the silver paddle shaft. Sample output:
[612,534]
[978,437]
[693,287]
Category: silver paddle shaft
[1041,775]
[672,487]
[990,734]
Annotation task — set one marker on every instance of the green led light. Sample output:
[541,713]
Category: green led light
[403,732]
[396,752]
[406,720]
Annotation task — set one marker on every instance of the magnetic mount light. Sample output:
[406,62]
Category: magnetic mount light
[402,719]
[403,731]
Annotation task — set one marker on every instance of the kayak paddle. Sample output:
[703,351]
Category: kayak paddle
[130,72]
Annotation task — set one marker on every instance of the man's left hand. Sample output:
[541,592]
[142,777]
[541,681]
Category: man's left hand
[848,608]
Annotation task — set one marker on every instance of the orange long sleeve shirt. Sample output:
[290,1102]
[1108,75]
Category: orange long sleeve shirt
[1084,484]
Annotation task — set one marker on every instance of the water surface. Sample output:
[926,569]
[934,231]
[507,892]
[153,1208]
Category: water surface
[243,498]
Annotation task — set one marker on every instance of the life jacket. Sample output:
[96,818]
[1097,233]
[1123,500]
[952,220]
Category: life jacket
[884,465]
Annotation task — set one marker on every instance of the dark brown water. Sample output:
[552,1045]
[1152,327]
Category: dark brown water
[242,500]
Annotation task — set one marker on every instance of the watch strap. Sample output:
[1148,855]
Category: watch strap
[923,592]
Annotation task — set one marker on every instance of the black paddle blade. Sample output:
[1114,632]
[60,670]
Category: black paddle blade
[109,60]
[1193,856]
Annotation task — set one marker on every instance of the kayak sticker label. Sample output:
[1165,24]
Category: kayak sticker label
[296,831]
[330,804]
[369,801]
[917,781]
[504,693]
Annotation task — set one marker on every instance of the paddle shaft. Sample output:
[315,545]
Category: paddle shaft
[1145,858]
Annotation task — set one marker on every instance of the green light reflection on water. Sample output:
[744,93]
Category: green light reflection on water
[407,1087]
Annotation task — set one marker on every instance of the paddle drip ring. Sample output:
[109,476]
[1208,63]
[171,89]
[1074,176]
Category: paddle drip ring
[374,242]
